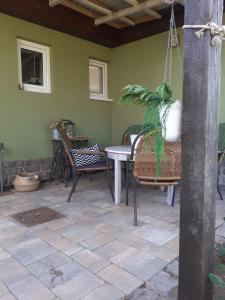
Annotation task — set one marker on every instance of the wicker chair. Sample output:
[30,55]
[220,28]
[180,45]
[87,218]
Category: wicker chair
[133,129]
[145,166]
[102,165]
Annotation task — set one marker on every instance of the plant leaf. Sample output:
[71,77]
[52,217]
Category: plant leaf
[216,279]
[221,251]
[219,267]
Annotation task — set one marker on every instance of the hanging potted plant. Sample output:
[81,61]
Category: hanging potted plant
[162,114]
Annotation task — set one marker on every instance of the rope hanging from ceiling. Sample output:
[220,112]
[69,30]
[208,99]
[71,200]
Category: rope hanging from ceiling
[172,44]
[217,32]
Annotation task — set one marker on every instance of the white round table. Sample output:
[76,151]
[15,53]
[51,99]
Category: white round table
[118,154]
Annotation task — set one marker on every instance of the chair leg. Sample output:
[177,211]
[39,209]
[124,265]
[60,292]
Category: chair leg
[127,181]
[219,192]
[109,182]
[135,203]
[173,195]
[75,181]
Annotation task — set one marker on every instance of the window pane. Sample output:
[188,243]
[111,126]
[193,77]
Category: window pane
[32,67]
[96,79]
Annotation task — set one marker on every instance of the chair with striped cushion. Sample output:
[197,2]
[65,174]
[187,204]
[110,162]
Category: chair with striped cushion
[100,164]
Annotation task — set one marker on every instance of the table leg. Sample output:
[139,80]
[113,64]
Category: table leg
[117,180]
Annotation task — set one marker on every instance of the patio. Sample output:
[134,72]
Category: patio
[94,251]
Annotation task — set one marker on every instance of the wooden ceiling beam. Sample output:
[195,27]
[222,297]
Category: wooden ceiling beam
[149,11]
[72,5]
[106,11]
[53,3]
[76,7]
[128,11]
[182,2]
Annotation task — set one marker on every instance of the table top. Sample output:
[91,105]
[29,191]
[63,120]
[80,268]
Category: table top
[119,149]
[76,138]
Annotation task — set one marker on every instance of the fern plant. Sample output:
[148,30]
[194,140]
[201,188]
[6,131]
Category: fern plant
[152,102]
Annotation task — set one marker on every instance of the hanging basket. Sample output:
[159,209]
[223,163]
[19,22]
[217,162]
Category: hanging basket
[170,118]
[26,182]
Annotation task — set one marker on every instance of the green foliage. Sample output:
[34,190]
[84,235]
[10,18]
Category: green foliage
[219,267]
[152,102]
[221,251]
[216,279]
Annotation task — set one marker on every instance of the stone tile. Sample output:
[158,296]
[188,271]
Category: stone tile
[8,297]
[80,286]
[162,283]
[105,228]
[221,230]
[73,249]
[31,251]
[30,288]
[97,241]
[11,271]
[78,232]
[90,260]
[161,252]
[3,289]
[155,235]
[47,234]
[162,224]
[4,254]
[62,243]
[173,268]
[59,224]
[135,261]
[111,249]
[61,275]
[104,292]
[46,264]
[173,244]
[120,279]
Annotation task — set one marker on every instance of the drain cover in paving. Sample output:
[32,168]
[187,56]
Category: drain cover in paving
[37,216]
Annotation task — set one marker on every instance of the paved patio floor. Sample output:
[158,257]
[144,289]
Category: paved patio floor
[95,252]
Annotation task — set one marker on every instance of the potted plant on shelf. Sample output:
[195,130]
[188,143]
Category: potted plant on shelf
[162,114]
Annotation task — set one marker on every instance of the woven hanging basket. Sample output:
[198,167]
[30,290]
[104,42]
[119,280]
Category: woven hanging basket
[26,182]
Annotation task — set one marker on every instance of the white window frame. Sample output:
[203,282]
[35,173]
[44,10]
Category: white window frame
[45,50]
[104,94]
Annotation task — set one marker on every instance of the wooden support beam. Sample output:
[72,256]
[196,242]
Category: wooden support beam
[53,3]
[105,10]
[202,65]
[128,11]
[149,11]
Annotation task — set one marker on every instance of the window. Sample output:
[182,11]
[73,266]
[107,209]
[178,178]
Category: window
[33,67]
[98,80]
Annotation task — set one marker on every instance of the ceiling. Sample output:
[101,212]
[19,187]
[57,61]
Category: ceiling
[110,23]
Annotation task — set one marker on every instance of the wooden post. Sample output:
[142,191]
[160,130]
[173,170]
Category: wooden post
[199,151]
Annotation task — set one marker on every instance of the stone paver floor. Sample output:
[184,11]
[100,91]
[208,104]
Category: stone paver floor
[95,252]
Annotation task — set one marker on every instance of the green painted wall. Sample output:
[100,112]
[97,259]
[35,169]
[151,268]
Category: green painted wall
[25,116]
[143,62]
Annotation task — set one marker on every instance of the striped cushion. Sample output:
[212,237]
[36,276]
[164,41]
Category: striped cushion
[81,160]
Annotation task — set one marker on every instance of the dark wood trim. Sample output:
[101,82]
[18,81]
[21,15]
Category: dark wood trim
[65,20]
[61,19]
[140,31]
